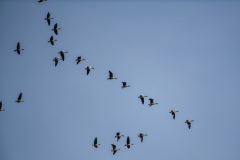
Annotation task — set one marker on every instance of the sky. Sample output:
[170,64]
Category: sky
[184,55]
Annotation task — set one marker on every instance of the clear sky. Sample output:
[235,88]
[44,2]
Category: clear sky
[184,54]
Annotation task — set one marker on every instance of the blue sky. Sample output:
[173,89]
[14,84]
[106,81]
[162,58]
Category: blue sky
[184,54]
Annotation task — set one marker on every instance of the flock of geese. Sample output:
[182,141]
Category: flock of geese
[111,77]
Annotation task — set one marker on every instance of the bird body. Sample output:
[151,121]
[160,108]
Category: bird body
[18,48]
[88,69]
[141,135]
[115,149]
[111,76]
[19,100]
[128,144]
[152,102]
[1,109]
[51,40]
[48,19]
[142,98]
[173,113]
[189,122]
[118,136]
[125,85]
[79,59]
[55,29]
[95,144]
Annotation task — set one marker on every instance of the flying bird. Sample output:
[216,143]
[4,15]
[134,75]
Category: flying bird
[95,143]
[52,40]
[151,102]
[48,19]
[62,52]
[19,98]
[118,136]
[115,149]
[125,85]
[55,29]
[18,48]
[173,113]
[141,135]
[189,123]
[128,143]
[79,59]
[88,69]
[142,98]
[56,59]
[111,76]
[41,1]
[1,107]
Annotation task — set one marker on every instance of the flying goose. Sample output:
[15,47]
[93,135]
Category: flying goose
[151,102]
[114,150]
[62,52]
[88,69]
[79,59]
[111,76]
[95,143]
[1,107]
[48,19]
[52,40]
[125,85]
[189,123]
[173,113]
[118,136]
[18,48]
[55,29]
[41,1]
[142,98]
[19,98]
[128,143]
[141,135]
[56,59]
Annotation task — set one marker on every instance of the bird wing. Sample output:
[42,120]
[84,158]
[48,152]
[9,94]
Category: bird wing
[118,133]
[56,62]
[128,140]
[151,100]
[20,96]
[141,138]
[95,140]
[55,26]
[56,31]
[114,146]
[110,74]
[49,21]
[88,70]
[173,115]
[51,38]
[114,152]
[0,105]
[189,125]
[142,99]
[48,15]
[124,83]
[18,52]
[62,55]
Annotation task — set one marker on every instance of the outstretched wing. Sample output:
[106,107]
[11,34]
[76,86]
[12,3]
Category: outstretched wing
[124,83]
[56,62]
[114,146]
[49,21]
[18,45]
[56,31]
[55,26]
[20,96]
[173,113]
[1,105]
[189,125]
[128,140]
[141,138]
[88,70]
[142,99]
[48,15]
[151,100]
[110,74]
[62,55]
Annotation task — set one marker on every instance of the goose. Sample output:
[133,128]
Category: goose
[56,59]
[173,113]
[115,149]
[118,136]
[52,40]
[88,69]
[18,48]
[1,107]
[189,123]
[128,143]
[55,29]
[41,1]
[62,52]
[151,102]
[95,143]
[141,135]
[79,59]
[48,19]
[111,76]
[125,85]
[19,98]
[142,98]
